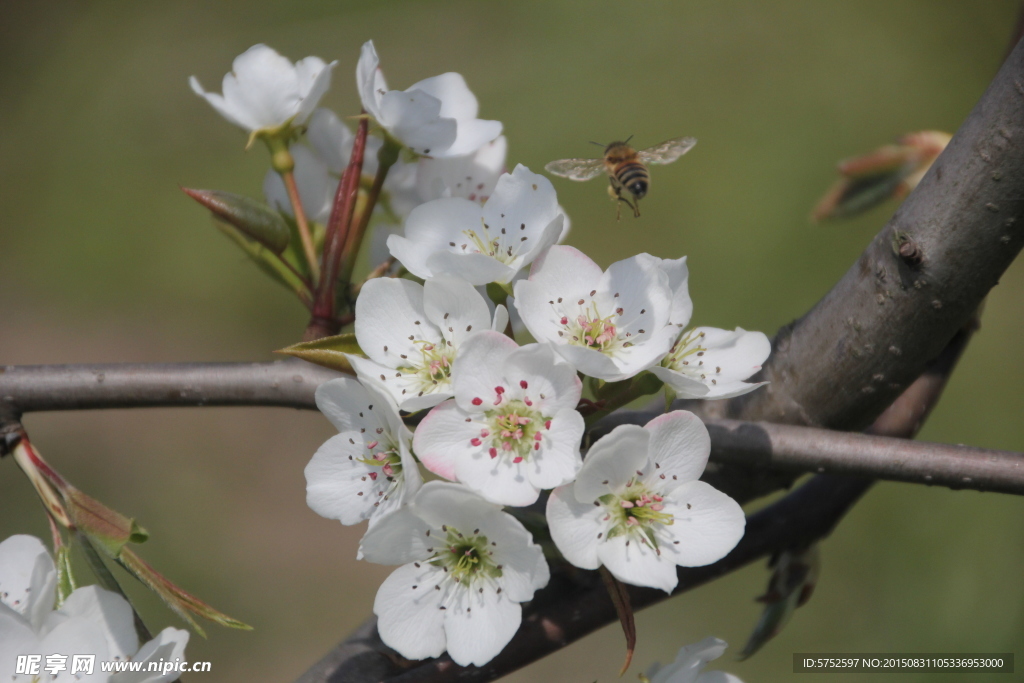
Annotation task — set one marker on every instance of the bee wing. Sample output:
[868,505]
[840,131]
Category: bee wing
[667,152]
[576,169]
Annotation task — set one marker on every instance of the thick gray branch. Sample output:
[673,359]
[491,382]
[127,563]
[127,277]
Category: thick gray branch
[846,360]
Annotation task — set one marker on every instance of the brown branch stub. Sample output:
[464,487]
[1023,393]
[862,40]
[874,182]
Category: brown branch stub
[846,360]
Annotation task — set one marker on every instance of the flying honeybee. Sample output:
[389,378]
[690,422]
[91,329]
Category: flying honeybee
[626,168]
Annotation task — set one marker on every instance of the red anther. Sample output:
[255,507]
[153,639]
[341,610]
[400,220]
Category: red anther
[388,470]
[516,460]
[564,320]
[477,401]
[527,401]
[537,437]
[547,425]
[484,433]
[499,390]
[475,442]
[493,452]
[506,446]
[657,507]
[373,475]
[371,445]
[536,446]
[523,383]
[626,504]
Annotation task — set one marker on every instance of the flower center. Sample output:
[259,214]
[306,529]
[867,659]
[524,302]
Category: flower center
[593,331]
[388,459]
[514,428]
[635,511]
[466,557]
[483,243]
[435,364]
[686,357]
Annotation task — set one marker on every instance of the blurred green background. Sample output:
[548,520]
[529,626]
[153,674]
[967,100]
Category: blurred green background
[103,259]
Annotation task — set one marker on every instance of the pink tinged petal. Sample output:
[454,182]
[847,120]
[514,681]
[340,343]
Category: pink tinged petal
[634,562]
[480,626]
[28,578]
[370,81]
[168,646]
[558,460]
[413,117]
[265,84]
[680,446]
[576,528]
[611,462]
[479,369]
[455,307]
[708,524]
[397,538]
[338,485]
[110,615]
[388,312]
[16,638]
[443,437]
[409,619]
[229,110]
[434,227]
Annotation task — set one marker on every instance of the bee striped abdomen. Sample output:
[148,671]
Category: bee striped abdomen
[634,177]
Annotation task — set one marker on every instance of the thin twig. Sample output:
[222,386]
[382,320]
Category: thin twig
[300,220]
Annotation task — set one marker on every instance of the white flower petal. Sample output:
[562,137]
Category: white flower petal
[558,460]
[108,611]
[471,177]
[351,406]
[689,662]
[480,627]
[314,78]
[77,635]
[500,318]
[370,80]
[454,306]
[611,462]
[497,479]
[229,110]
[460,104]
[679,446]
[265,84]
[28,578]
[478,269]
[708,524]
[636,563]
[332,141]
[575,527]
[552,384]
[685,387]
[479,369]
[397,537]
[338,484]
[433,227]
[414,118]
[523,204]
[471,136]
[16,638]
[388,312]
[168,646]
[409,618]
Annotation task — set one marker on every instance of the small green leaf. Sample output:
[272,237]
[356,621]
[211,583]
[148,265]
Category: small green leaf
[254,219]
[328,352]
[109,528]
[184,604]
[65,579]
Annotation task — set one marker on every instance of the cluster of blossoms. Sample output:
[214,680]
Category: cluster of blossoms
[89,620]
[499,421]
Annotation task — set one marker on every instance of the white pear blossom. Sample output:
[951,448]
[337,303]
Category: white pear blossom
[435,117]
[368,468]
[638,508]
[411,335]
[690,662]
[265,91]
[467,566]
[91,621]
[512,429]
[483,244]
[610,325]
[706,362]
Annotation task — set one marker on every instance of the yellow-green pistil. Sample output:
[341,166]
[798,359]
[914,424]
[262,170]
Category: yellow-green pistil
[466,556]
[635,510]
